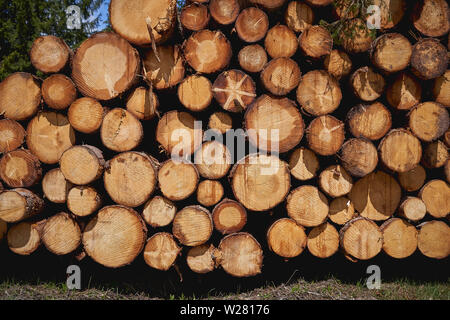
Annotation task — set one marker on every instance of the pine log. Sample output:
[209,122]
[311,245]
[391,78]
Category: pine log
[436,196]
[325,135]
[12,135]
[280,76]
[303,164]
[441,89]
[435,154]
[355,37]
[429,121]
[106,243]
[391,12]
[323,241]
[213,160]
[209,192]
[404,92]
[286,238]
[240,255]
[207,51]
[252,58]
[280,42]
[400,150]
[391,52]
[434,239]
[341,210]
[370,121]
[159,212]
[224,12]
[58,91]
[260,182]
[270,5]
[298,16]
[177,134]
[61,234]
[20,96]
[338,64]
[307,206]
[192,226]
[412,208]
[86,115]
[361,238]
[367,84]
[55,186]
[200,258]
[161,251]
[121,130]
[413,179]
[19,204]
[399,238]
[50,54]
[319,93]
[23,238]
[229,216]
[274,124]
[20,169]
[49,134]
[315,42]
[376,196]
[134,19]
[130,178]
[431,17]
[429,59]
[166,69]
[83,200]
[252,24]
[105,66]
[195,93]
[221,122]
[177,180]
[335,181]
[234,90]
[82,165]
[143,103]
[194,16]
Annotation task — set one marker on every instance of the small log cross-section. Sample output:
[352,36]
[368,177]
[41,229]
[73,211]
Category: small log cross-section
[434,239]
[213,160]
[303,164]
[19,204]
[391,52]
[229,216]
[441,89]
[224,11]
[58,91]
[319,93]
[200,258]
[20,169]
[435,154]
[61,234]
[120,130]
[105,241]
[252,58]
[429,59]
[82,165]
[143,103]
[412,208]
[325,135]
[159,212]
[323,240]
[192,226]
[50,54]
[376,196]
[130,178]
[20,96]
[207,51]
[117,71]
[315,42]
[83,200]
[12,135]
[413,179]
[240,255]
[194,16]
[355,36]
[335,181]
[371,121]
[361,238]
[298,16]
[341,210]
[274,124]
[209,192]
[161,251]
[399,238]
[436,194]
[86,115]
[252,24]
[338,64]
[367,84]
[431,17]
[286,238]
[307,206]
[260,182]
[55,186]
[280,76]
[177,179]
[429,121]
[221,122]
[23,238]
[234,90]
[280,41]
[195,93]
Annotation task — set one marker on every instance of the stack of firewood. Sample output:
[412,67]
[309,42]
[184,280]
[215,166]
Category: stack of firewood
[345,140]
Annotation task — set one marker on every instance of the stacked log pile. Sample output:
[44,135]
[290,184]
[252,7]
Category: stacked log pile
[345,136]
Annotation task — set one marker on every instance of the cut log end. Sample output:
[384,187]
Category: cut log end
[436,194]
[298,16]
[429,59]
[252,24]
[23,238]
[224,12]
[159,212]
[12,135]
[82,165]
[413,179]
[429,121]
[195,93]
[55,186]
[194,16]
[200,258]
[391,52]
[315,42]
[61,234]
[252,58]
[323,241]
[371,121]
[307,206]
[58,91]
[338,64]
[404,92]
[280,41]
[161,251]
[209,192]
[20,169]
[341,210]
[367,84]
[335,181]
[178,180]
[229,216]
[192,226]
[431,17]
[86,115]
[83,201]
[286,238]
[361,238]
[303,164]
[280,76]
[19,204]
[220,122]
[399,238]
[413,209]
[143,103]
[325,135]
[434,239]
[50,54]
